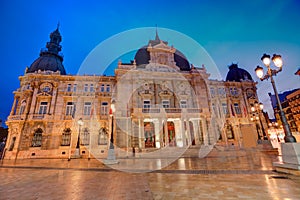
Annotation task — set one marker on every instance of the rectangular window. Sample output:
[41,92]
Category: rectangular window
[104,108]
[85,137]
[92,88]
[74,87]
[215,109]
[166,104]
[233,91]
[22,107]
[27,86]
[37,139]
[66,137]
[222,92]
[225,108]
[212,92]
[86,87]
[102,88]
[102,140]
[87,108]
[237,108]
[70,109]
[183,104]
[69,88]
[146,104]
[43,108]
[107,88]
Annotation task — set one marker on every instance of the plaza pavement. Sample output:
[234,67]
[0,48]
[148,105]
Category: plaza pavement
[225,173]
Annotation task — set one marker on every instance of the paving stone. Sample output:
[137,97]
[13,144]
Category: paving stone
[243,174]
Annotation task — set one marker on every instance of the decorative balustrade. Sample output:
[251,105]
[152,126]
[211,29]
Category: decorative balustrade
[151,110]
[38,116]
[15,117]
[168,110]
[173,110]
[194,110]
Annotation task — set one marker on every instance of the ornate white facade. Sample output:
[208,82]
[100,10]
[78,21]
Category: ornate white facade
[161,100]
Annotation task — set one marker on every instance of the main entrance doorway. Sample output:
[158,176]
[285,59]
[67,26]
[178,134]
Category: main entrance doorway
[149,135]
[171,134]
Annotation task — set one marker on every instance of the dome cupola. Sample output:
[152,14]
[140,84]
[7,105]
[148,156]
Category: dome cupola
[50,58]
[143,55]
[237,74]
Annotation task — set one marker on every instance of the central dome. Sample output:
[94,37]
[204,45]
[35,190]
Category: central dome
[142,56]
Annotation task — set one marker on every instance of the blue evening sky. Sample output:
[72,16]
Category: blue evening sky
[230,31]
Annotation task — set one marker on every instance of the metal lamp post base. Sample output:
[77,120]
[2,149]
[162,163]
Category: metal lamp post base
[289,138]
[111,158]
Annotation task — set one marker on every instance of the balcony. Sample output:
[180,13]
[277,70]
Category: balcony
[68,117]
[151,110]
[38,116]
[15,117]
[173,110]
[167,110]
[194,110]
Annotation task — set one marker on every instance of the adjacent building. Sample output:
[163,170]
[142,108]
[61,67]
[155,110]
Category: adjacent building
[294,105]
[289,103]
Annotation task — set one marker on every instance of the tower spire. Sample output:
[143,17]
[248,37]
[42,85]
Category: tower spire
[58,24]
[156,34]
[55,38]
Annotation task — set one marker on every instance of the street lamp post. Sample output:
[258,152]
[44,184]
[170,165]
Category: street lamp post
[256,109]
[270,73]
[80,123]
[111,113]
[111,158]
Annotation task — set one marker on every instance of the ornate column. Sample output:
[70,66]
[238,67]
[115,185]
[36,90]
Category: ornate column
[53,100]
[141,134]
[196,131]
[166,133]
[33,101]
[189,137]
[183,131]
[205,131]
[14,106]
[178,133]
[157,135]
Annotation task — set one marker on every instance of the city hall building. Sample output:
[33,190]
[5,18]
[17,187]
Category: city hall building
[160,99]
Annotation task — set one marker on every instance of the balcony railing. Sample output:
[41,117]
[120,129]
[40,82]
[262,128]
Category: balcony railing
[151,110]
[68,117]
[170,110]
[194,110]
[38,116]
[15,117]
[173,110]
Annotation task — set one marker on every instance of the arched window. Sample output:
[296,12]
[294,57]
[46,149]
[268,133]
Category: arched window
[37,138]
[22,107]
[85,137]
[102,138]
[66,137]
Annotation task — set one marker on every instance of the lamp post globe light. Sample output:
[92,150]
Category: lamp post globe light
[277,60]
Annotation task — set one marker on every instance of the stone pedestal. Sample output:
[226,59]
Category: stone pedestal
[111,158]
[290,156]
[76,154]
